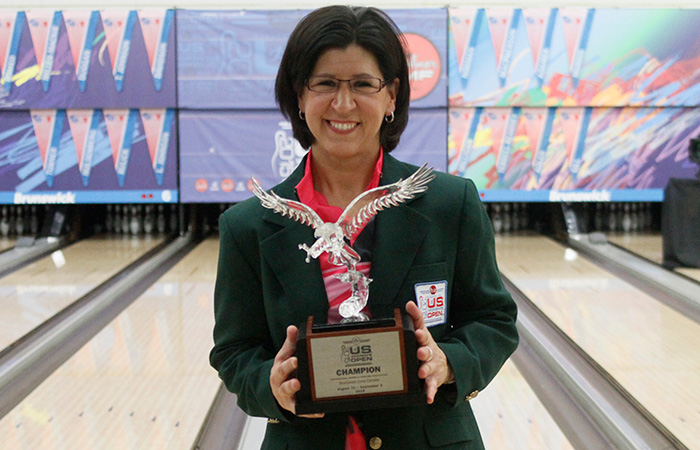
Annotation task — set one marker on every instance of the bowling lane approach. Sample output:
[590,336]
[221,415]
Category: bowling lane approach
[649,246]
[143,382]
[647,347]
[6,243]
[36,292]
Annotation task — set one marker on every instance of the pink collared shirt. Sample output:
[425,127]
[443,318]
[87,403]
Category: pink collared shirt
[336,290]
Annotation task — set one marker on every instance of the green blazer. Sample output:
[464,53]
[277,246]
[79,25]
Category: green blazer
[264,284]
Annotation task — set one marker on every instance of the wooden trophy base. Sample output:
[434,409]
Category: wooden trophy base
[357,366]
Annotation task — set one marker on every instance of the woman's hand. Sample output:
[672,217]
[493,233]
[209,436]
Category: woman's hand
[435,369]
[283,387]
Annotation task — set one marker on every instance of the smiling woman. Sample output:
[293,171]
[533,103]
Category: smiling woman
[346,124]
[343,83]
[335,28]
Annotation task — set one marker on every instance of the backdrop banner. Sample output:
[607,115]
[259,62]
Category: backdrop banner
[572,154]
[88,156]
[221,150]
[87,59]
[229,59]
[501,56]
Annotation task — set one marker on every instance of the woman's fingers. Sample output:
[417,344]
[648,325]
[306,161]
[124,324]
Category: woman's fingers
[416,314]
[285,362]
[431,388]
[290,344]
[283,387]
[434,369]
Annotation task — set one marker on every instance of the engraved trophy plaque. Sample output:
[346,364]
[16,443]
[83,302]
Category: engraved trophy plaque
[359,363]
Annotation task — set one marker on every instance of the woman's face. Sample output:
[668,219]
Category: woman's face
[346,124]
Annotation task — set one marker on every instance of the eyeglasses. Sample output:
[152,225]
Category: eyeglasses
[360,85]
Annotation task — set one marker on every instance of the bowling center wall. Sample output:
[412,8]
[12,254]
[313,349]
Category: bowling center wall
[176,106]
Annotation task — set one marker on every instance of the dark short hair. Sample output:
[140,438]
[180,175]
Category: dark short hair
[338,27]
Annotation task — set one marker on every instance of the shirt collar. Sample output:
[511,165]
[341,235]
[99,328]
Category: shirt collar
[317,201]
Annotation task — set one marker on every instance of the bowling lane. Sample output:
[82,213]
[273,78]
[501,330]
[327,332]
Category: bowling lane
[143,382]
[511,417]
[646,245]
[36,292]
[649,348]
[6,243]
[650,246]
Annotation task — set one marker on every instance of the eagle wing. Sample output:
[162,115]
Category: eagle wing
[285,207]
[369,203]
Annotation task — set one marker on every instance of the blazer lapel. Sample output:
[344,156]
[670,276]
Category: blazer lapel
[301,281]
[398,236]
[399,232]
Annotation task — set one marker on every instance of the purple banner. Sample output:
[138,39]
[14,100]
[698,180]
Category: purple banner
[87,59]
[229,59]
[221,150]
[88,156]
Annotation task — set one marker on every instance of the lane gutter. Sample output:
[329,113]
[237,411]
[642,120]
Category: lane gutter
[35,356]
[28,250]
[674,290]
[590,407]
[224,424]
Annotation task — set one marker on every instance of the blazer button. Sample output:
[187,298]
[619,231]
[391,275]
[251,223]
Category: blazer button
[471,396]
[375,443]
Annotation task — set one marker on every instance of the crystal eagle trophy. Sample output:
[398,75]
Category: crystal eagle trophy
[359,363]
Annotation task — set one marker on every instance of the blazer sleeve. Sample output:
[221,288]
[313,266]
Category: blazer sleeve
[243,350]
[482,312]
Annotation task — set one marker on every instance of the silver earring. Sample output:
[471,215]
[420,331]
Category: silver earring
[302,116]
[389,119]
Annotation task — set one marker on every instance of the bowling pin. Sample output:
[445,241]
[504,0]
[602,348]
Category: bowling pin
[160,219]
[612,217]
[173,219]
[634,216]
[116,220]
[19,221]
[626,218]
[11,220]
[108,219]
[34,222]
[507,219]
[148,219]
[497,220]
[134,220]
[4,222]
[124,219]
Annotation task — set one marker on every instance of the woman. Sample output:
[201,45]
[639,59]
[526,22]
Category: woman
[343,82]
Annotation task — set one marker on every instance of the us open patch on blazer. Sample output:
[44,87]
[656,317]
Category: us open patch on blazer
[431,301]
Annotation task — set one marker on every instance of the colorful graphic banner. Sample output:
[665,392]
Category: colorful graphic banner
[88,156]
[87,59]
[573,57]
[572,154]
[80,28]
[84,126]
[543,104]
[229,59]
[11,25]
[43,28]
[221,150]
